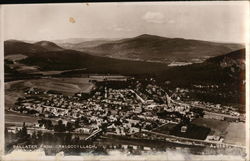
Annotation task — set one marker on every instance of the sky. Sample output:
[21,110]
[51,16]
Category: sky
[211,21]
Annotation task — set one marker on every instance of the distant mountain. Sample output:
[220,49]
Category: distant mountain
[81,43]
[226,71]
[72,40]
[84,44]
[13,47]
[225,68]
[18,47]
[50,46]
[47,56]
[159,49]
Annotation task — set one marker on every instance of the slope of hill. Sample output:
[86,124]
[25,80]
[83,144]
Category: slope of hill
[48,56]
[155,48]
[226,71]
[235,59]
[80,40]
[225,68]
[50,46]
[13,47]
[83,45]
[70,59]
[220,79]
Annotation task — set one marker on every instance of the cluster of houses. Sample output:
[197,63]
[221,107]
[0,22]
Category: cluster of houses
[218,111]
[125,110]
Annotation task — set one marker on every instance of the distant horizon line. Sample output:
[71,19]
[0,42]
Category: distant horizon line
[118,38]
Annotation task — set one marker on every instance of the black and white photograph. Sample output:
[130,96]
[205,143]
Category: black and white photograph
[152,80]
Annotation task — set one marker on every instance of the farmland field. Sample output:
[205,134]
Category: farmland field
[217,127]
[165,129]
[66,86]
[11,119]
[232,132]
[193,132]
[236,134]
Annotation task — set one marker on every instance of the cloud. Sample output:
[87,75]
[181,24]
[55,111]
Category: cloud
[154,17]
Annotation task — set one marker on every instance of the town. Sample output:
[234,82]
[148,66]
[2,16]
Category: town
[124,108]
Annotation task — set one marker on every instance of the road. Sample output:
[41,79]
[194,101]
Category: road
[94,134]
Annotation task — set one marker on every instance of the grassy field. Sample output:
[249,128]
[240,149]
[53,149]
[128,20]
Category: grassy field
[232,132]
[17,119]
[165,129]
[67,86]
[236,134]
[217,127]
[11,119]
[193,131]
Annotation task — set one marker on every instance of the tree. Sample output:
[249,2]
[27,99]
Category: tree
[84,119]
[24,131]
[68,138]
[69,126]
[34,138]
[39,136]
[48,124]
[76,140]
[60,127]
[77,122]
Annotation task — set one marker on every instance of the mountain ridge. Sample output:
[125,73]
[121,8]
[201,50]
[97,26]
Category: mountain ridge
[12,47]
[66,59]
[227,71]
[156,48]
[50,46]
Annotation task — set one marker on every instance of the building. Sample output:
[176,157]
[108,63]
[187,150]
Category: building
[83,130]
[184,129]
[209,115]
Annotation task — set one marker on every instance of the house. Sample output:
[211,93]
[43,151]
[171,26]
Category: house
[84,130]
[213,116]
[214,138]
[134,130]
[137,109]
[184,129]
[36,125]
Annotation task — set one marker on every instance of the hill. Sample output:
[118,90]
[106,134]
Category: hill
[225,68]
[158,49]
[49,46]
[13,47]
[47,56]
[70,59]
[227,72]
[82,45]
[235,59]
[220,79]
